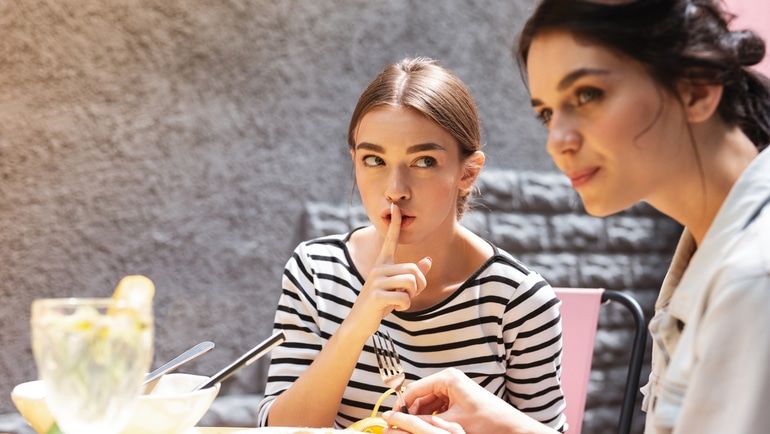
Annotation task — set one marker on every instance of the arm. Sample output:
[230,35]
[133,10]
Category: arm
[532,334]
[467,404]
[389,286]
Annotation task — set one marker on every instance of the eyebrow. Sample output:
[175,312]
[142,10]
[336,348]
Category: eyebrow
[572,77]
[422,147]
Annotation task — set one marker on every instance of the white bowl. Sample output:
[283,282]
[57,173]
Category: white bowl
[171,408]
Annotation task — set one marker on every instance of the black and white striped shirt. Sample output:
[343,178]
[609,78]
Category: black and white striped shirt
[501,327]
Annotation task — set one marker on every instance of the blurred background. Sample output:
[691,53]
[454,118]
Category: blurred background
[184,140]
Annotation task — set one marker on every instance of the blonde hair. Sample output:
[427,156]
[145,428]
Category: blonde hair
[423,85]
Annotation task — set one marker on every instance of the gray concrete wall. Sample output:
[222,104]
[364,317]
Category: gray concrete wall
[181,140]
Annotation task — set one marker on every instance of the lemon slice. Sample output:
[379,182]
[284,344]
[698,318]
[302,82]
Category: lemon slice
[136,291]
[375,425]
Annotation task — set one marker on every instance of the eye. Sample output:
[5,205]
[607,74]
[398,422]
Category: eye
[425,162]
[587,94]
[544,116]
[372,161]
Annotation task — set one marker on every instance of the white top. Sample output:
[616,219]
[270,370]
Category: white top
[711,331]
[501,327]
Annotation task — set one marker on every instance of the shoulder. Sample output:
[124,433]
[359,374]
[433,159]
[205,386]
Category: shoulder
[745,266]
[504,267]
[505,262]
[328,244]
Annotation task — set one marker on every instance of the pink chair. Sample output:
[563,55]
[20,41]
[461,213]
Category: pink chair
[580,315]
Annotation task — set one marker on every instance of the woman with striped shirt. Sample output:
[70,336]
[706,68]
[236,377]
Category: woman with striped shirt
[447,297]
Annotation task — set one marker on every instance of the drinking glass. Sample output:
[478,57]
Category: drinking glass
[92,355]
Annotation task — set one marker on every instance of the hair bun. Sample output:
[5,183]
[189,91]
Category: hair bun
[749,48]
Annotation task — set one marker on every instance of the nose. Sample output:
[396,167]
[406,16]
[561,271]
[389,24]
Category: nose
[397,189]
[563,136]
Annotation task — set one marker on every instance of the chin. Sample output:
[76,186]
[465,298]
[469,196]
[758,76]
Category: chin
[603,209]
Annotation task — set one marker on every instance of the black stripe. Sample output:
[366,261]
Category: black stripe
[532,380]
[282,378]
[537,347]
[299,288]
[514,263]
[301,266]
[450,345]
[533,395]
[499,390]
[330,317]
[542,407]
[333,298]
[367,387]
[332,259]
[290,310]
[289,293]
[460,306]
[357,404]
[444,328]
[523,297]
[488,379]
[301,346]
[542,328]
[496,278]
[536,363]
[281,326]
[325,242]
[531,315]
[348,418]
[291,361]
[337,280]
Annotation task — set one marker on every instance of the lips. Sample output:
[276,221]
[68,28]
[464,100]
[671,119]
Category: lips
[406,219]
[582,177]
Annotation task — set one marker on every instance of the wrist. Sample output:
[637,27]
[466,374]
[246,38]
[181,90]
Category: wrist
[352,333]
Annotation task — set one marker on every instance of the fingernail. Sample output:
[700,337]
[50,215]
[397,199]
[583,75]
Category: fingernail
[387,414]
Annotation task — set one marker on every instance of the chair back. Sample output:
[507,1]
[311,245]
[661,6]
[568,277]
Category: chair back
[580,317]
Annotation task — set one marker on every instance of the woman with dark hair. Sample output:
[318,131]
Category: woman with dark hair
[446,296]
[651,100]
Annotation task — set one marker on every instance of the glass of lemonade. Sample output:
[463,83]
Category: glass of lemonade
[92,355]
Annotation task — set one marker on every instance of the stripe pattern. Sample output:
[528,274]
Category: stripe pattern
[501,327]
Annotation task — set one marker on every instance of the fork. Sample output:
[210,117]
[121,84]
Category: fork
[389,364]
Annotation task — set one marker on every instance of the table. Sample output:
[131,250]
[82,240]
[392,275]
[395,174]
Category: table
[217,430]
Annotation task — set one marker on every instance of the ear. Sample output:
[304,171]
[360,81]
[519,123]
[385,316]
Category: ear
[471,168]
[353,154]
[700,100]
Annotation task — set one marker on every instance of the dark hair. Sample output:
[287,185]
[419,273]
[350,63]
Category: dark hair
[431,89]
[673,40]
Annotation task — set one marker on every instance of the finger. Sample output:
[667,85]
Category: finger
[423,266]
[451,427]
[388,251]
[401,282]
[418,424]
[396,300]
[439,384]
[428,405]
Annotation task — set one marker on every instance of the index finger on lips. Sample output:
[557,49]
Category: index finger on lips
[388,252]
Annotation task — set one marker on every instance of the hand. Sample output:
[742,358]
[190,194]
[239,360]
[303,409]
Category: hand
[408,424]
[461,405]
[388,286]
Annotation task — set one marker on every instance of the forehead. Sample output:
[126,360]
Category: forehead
[400,126]
[555,54]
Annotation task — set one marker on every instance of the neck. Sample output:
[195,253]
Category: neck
[698,191]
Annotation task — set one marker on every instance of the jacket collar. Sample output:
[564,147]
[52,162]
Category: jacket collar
[743,203]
